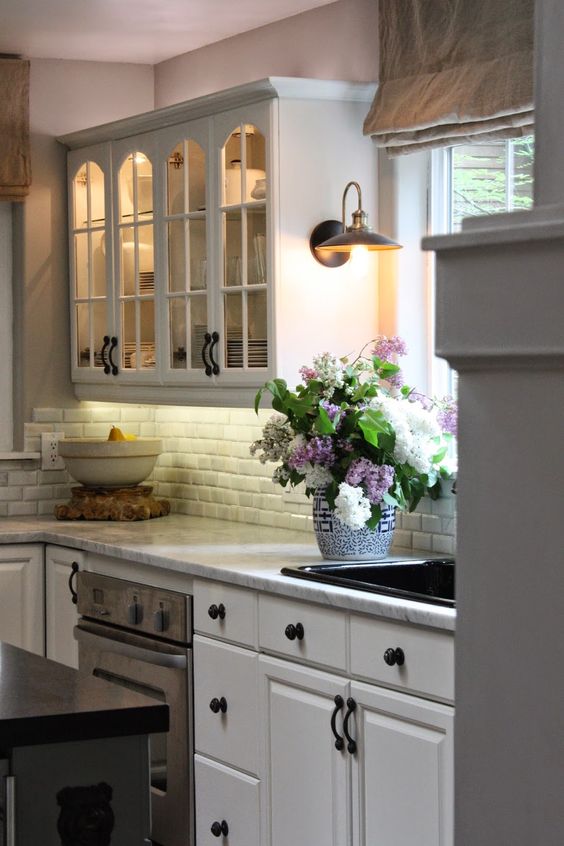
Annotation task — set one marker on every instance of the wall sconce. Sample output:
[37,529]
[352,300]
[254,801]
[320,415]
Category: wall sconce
[331,241]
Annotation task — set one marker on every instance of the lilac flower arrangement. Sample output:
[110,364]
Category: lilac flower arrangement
[355,430]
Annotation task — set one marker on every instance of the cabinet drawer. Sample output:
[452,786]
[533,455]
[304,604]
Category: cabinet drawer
[428,666]
[324,639]
[226,676]
[226,612]
[224,795]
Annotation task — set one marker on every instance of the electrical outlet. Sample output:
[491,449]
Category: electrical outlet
[50,458]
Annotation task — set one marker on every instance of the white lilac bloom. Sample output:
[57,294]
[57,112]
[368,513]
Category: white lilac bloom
[330,372]
[416,429]
[316,476]
[352,507]
[276,436]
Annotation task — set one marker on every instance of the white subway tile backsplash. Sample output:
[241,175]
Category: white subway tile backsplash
[47,415]
[422,540]
[81,415]
[205,470]
[22,509]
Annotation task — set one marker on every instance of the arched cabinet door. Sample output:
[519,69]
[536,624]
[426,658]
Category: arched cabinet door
[243,224]
[90,261]
[187,261]
[137,208]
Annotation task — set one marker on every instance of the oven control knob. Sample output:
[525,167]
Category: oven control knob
[160,620]
[135,613]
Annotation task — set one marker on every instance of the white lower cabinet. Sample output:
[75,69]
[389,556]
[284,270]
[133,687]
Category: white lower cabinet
[306,780]
[22,613]
[226,703]
[350,755]
[227,805]
[61,613]
[402,770]
[389,784]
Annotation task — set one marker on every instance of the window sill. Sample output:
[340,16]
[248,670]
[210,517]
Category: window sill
[20,456]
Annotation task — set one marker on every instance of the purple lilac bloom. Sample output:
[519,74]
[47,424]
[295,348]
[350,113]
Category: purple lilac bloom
[386,348]
[395,380]
[422,399]
[317,451]
[377,478]
[331,409]
[447,417]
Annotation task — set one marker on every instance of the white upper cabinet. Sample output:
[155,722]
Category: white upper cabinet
[191,271]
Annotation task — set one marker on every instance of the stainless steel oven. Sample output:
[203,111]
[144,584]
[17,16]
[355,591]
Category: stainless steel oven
[140,637]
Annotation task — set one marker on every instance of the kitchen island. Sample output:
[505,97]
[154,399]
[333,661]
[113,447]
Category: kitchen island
[74,754]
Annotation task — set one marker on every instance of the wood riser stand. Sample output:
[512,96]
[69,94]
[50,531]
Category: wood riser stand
[119,504]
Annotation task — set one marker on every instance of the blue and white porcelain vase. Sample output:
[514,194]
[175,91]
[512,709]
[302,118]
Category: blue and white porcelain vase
[338,542]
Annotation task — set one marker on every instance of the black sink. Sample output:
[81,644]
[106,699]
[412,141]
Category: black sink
[425,580]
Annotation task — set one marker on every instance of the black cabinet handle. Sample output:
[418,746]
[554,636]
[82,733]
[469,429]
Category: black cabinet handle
[215,365]
[294,631]
[105,345]
[217,705]
[339,702]
[394,656]
[207,366]
[74,571]
[113,345]
[219,828]
[216,611]
[351,708]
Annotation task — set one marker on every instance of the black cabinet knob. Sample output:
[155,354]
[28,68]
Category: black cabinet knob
[394,656]
[217,705]
[294,631]
[219,828]
[216,611]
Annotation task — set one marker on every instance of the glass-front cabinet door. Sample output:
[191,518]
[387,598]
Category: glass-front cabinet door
[187,267]
[135,279]
[90,262]
[244,243]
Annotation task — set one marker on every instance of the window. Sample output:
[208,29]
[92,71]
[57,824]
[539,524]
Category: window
[471,180]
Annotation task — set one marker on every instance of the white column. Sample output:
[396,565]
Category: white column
[500,321]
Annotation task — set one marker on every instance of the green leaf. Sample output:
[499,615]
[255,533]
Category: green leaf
[373,423]
[438,456]
[375,517]
[390,500]
[258,398]
[323,423]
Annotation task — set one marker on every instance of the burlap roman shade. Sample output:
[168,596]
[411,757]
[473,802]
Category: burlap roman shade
[15,166]
[452,71]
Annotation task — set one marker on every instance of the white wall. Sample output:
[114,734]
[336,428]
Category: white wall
[339,41]
[65,96]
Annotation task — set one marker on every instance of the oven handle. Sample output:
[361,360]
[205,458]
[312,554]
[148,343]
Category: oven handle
[128,650]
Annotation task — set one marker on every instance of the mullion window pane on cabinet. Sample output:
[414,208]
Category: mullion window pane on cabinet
[257,346]
[186,254]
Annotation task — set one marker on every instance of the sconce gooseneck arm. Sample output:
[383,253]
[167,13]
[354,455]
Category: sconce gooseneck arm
[348,185]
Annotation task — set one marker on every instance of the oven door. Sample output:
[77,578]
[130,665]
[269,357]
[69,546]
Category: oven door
[164,672]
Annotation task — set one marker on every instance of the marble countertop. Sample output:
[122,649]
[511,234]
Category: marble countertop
[237,553]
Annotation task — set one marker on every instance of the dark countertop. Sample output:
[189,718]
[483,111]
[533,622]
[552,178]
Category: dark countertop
[42,701]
